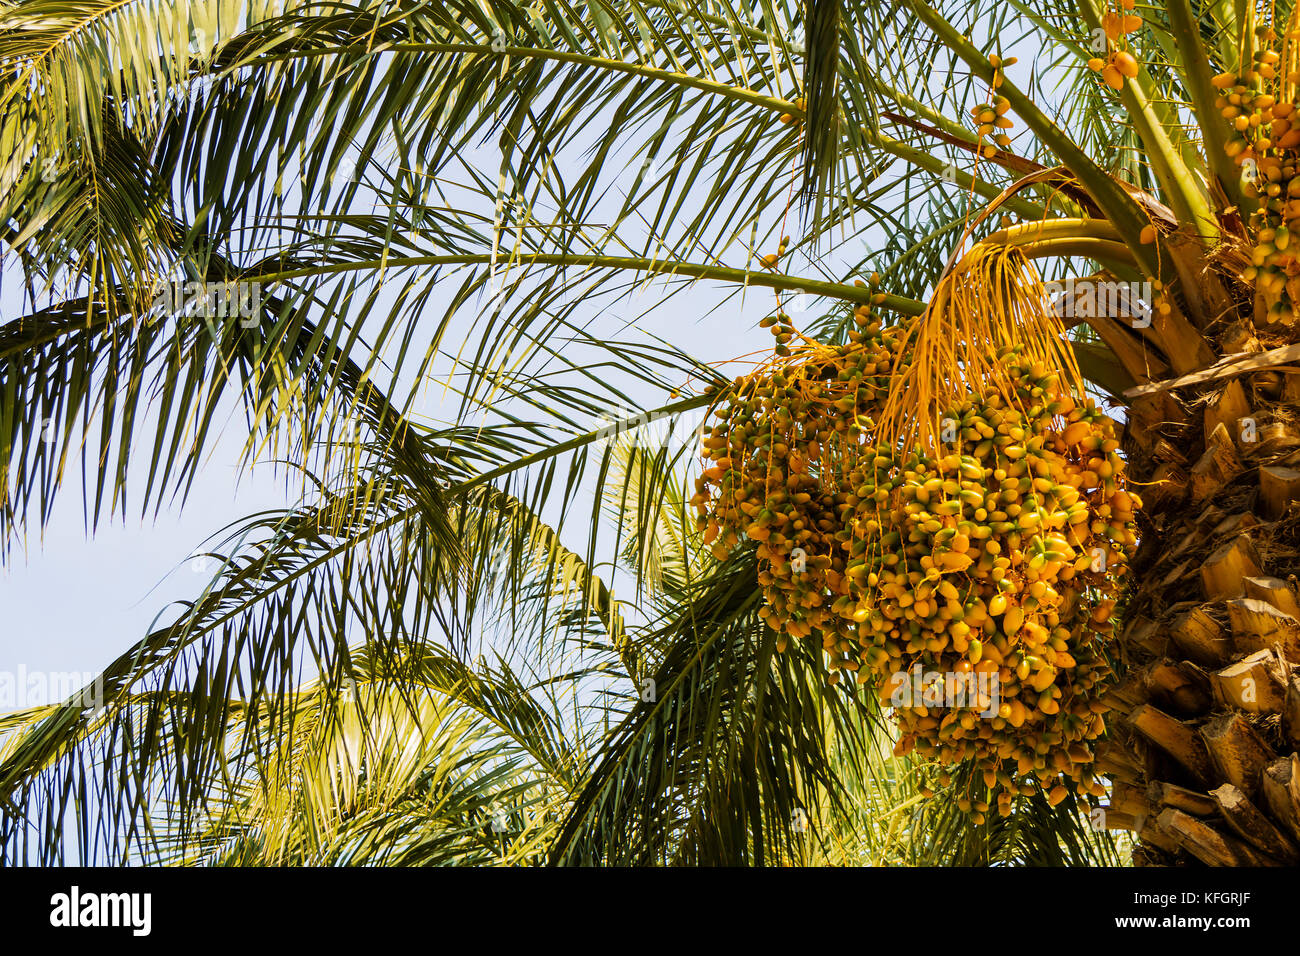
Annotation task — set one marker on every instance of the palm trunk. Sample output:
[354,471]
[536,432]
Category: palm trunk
[1206,722]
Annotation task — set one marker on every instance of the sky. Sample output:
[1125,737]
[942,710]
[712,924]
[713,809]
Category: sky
[73,599]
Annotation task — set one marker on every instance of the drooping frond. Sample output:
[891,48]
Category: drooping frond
[992,299]
[419,761]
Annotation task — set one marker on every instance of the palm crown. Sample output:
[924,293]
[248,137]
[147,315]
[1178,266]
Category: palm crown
[372,197]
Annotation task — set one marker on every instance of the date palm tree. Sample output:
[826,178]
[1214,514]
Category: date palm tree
[313,211]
